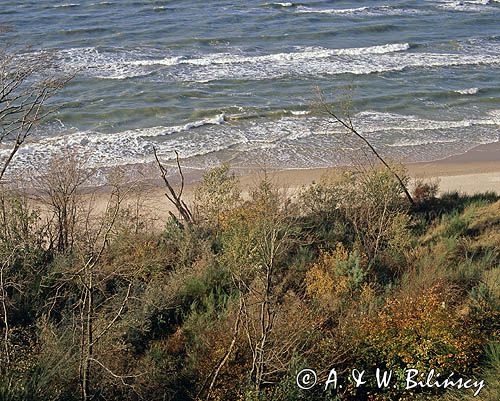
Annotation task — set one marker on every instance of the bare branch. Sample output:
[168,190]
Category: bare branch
[347,123]
[174,197]
[27,82]
[118,314]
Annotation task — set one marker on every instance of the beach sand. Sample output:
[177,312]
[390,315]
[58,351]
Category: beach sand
[476,171]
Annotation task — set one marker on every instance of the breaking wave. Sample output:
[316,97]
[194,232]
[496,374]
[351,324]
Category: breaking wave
[468,91]
[295,131]
[301,61]
[466,5]
[360,11]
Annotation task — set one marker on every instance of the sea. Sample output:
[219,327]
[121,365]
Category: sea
[237,81]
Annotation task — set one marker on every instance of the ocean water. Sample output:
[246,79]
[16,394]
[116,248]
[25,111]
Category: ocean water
[234,80]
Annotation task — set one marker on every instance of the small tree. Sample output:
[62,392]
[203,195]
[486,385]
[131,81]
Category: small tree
[59,189]
[217,193]
[373,205]
[84,276]
[256,239]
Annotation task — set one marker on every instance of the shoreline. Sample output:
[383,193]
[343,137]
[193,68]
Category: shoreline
[481,162]
[475,171]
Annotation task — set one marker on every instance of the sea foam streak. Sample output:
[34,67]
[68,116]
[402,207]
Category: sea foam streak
[359,11]
[125,147]
[321,62]
[304,54]
[466,5]
[468,91]
[121,65]
[309,10]
[285,4]
[101,64]
[69,5]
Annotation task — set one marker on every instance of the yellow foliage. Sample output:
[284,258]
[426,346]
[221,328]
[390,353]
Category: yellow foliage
[336,275]
[425,332]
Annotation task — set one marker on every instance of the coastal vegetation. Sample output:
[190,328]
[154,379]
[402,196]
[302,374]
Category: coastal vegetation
[230,300]
[238,291]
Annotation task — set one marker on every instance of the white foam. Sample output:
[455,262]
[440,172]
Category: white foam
[130,146]
[302,61]
[68,5]
[421,142]
[309,10]
[99,64]
[305,53]
[314,142]
[103,64]
[287,4]
[495,114]
[304,136]
[121,65]
[466,5]
[381,49]
[168,61]
[323,62]
[211,121]
[371,122]
[468,91]
[359,11]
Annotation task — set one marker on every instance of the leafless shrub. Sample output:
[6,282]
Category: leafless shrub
[27,82]
[58,190]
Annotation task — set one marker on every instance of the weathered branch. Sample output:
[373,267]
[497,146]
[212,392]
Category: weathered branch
[117,316]
[215,373]
[27,82]
[174,197]
[120,377]
[347,123]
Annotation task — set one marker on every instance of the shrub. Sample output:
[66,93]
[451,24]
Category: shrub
[423,331]
[425,192]
[336,277]
[217,193]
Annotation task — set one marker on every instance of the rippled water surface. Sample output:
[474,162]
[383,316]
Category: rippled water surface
[233,80]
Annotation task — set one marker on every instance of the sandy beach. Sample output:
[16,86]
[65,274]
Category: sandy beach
[475,171]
